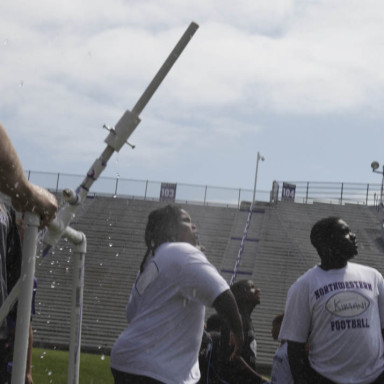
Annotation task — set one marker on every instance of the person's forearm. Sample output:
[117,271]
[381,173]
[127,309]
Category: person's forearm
[25,196]
[28,374]
[12,177]
[298,362]
[226,307]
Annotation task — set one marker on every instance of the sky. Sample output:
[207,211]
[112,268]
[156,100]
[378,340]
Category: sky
[300,82]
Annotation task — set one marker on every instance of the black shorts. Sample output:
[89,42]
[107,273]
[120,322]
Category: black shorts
[318,379]
[128,378]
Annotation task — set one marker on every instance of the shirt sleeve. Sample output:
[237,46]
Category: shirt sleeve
[380,299]
[297,318]
[200,279]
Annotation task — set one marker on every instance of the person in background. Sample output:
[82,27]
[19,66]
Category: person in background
[167,304]
[242,369]
[10,269]
[338,307]
[25,197]
[281,371]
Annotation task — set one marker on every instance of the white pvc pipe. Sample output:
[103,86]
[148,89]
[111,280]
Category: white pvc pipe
[76,312]
[32,223]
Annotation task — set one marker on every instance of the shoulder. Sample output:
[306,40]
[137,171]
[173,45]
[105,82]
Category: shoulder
[179,248]
[305,278]
[179,253]
[363,269]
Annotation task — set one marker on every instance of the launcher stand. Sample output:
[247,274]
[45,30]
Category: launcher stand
[59,228]
[25,285]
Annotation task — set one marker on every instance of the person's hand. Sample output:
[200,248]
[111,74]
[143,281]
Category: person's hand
[37,200]
[28,378]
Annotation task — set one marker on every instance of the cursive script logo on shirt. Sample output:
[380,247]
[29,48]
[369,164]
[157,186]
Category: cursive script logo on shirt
[347,304]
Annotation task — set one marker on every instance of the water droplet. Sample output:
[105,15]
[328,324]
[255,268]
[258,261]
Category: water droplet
[49,373]
[110,245]
[117,254]
[102,357]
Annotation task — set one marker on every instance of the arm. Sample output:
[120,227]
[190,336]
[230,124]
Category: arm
[28,374]
[25,196]
[299,363]
[226,307]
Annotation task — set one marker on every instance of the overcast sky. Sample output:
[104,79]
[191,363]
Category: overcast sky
[302,82]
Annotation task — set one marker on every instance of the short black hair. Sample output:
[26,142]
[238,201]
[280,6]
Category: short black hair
[322,230]
[239,288]
[278,319]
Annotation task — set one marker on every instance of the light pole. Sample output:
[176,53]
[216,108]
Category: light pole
[259,157]
[375,165]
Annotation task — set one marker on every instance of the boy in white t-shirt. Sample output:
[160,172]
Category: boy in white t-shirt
[338,307]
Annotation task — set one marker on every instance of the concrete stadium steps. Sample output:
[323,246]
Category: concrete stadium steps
[251,244]
[278,253]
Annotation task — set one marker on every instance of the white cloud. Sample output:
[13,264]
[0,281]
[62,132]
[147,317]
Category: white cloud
[68,67]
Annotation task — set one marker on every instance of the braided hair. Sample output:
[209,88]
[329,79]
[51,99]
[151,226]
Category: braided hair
[162,226]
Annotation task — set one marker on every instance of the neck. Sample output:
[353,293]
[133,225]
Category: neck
[246,309]
[327,265]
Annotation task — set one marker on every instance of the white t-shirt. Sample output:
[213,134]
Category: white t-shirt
[341,313]
[166,312]
[281,371]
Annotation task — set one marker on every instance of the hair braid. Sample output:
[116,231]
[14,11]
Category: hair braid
[162,226]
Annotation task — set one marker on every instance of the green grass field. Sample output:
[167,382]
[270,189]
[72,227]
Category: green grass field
[51,367]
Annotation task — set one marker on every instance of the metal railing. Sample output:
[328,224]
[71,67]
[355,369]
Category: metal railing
[306,192]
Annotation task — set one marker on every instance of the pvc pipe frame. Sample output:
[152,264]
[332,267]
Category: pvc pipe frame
[23,291]
[77,312]
[32,223]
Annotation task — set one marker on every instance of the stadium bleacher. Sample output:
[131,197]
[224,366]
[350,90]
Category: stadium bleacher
[276,252]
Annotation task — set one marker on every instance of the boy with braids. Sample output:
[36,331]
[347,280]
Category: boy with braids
[338,307]
[166,307]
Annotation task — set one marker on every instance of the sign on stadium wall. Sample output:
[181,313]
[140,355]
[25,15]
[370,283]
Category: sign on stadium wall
[288,192]
[168,192]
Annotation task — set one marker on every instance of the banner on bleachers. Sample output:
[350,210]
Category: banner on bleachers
[288,192]
[168,192]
